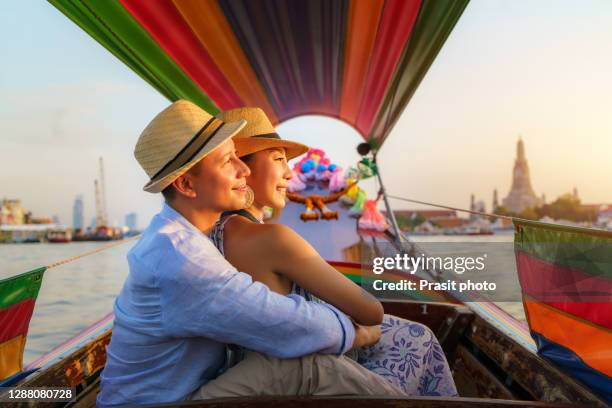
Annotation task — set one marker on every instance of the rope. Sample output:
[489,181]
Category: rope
[94,251]
[504,217]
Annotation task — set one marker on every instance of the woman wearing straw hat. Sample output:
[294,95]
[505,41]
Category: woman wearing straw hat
[275,255]
[182,301]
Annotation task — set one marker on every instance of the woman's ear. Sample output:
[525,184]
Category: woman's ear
[183,185]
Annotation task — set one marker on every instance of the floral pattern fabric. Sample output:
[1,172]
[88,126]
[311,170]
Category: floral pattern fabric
[409,356]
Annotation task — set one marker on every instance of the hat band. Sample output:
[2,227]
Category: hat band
[269,135]
[192,148]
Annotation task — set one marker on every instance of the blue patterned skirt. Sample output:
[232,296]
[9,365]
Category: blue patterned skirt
[409,356]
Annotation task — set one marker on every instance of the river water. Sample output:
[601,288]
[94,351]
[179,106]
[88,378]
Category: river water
[72,296]
[75,295]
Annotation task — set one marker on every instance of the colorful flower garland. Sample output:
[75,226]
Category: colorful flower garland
[315,167]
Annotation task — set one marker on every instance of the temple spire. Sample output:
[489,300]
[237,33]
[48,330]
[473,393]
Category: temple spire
[520,150]
[521,195]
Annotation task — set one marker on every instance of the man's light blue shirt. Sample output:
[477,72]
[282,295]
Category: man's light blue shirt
[182,302]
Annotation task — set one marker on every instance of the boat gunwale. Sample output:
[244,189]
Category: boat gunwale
[82,367]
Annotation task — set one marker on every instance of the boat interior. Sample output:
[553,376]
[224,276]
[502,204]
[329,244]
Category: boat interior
[490,367]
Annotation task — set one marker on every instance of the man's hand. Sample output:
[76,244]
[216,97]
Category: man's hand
[365,335]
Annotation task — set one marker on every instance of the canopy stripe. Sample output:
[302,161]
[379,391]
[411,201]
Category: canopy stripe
[355,60]
[166,26]
[110,24]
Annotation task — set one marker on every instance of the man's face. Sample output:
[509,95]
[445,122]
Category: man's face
[218,181]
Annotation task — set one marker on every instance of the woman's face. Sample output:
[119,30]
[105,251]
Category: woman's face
[270,175]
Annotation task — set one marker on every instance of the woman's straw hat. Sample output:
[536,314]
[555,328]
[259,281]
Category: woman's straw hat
[259,134]
[176,139]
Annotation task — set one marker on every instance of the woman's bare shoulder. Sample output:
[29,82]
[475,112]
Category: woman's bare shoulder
[279,232]
[285,240]
[265,237]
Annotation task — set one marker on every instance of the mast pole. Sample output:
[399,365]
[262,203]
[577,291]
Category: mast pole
[399,238]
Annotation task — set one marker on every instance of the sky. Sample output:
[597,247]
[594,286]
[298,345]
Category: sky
[536,69]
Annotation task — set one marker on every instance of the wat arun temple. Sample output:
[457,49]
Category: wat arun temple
[521,195]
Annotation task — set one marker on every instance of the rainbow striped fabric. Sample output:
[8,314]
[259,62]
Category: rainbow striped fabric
[566,278]
[357,61]
[17,298]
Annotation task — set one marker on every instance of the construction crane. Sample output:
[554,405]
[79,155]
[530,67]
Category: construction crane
[103,212]
[103,232]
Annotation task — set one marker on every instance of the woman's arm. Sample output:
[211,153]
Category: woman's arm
[292,256]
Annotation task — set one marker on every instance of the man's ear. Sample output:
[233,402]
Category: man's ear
[183,185]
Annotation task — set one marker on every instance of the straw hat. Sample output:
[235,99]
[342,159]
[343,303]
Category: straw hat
[259,134]
[176,139]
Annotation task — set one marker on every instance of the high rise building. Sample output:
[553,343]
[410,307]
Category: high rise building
[78,220]
[521,195]
[131,221]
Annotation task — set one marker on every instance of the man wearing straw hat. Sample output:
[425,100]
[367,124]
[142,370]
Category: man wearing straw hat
[182,301]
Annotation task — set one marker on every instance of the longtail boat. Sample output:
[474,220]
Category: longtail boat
[360,62]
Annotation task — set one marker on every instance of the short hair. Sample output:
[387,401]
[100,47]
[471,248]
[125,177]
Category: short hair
[169,193]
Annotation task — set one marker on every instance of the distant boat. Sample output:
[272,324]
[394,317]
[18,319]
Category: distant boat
[104,233]
[477,231]
[469,230]
[59,235]
[24,233]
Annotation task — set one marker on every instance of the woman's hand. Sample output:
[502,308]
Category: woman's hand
[365,335]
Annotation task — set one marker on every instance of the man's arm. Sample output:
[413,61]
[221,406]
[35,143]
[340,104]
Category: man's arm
[207,297]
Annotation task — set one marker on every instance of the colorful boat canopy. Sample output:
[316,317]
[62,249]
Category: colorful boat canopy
[356,60]
[566,278]
[17,298]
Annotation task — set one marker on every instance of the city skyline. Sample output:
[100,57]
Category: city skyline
[475,203]
[456,136]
